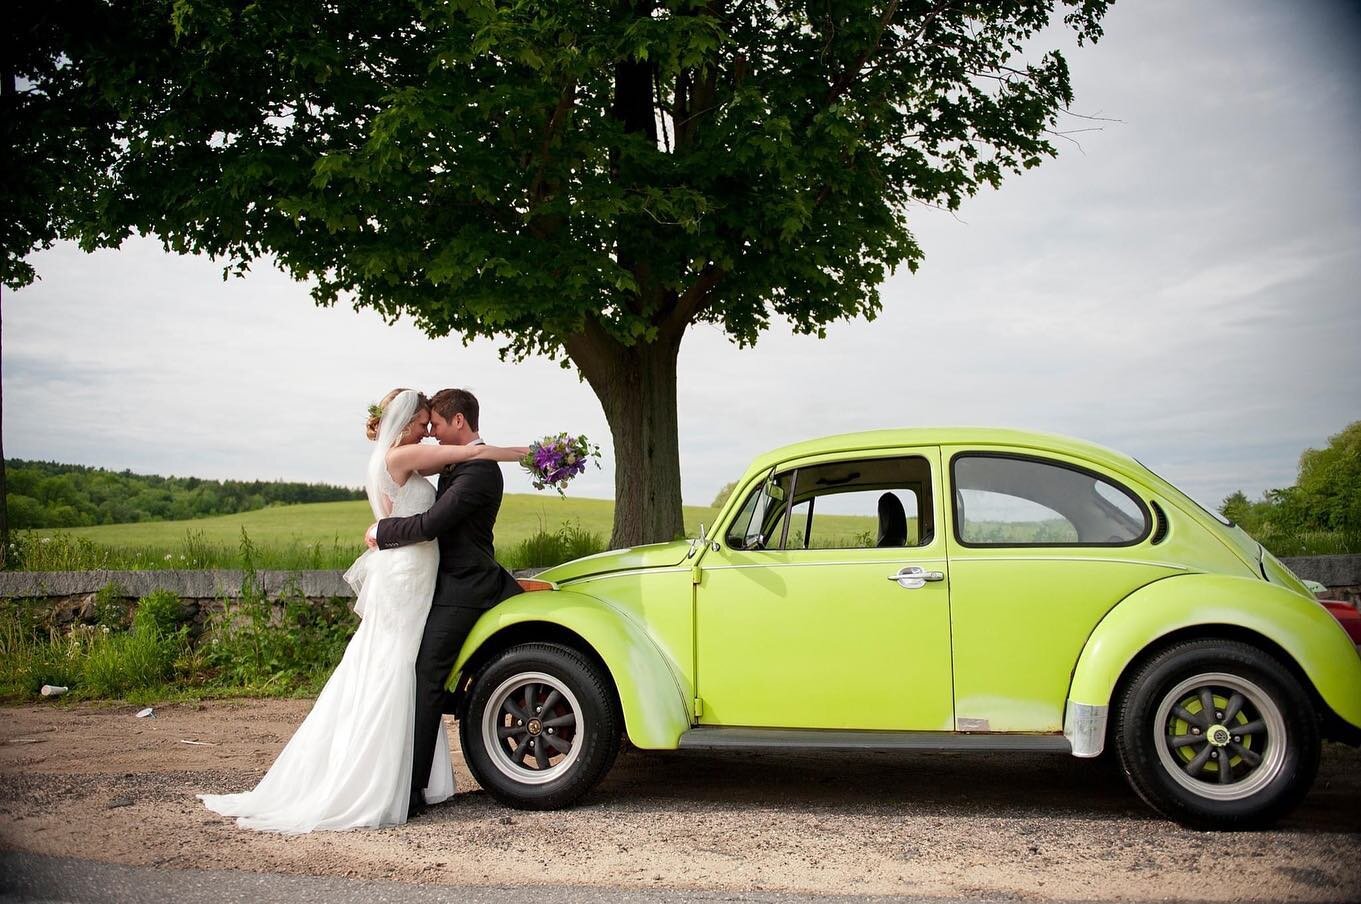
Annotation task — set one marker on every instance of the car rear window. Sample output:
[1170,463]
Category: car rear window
[1015,500]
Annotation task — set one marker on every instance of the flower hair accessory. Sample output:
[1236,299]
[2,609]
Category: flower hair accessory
[555,460]
[376,411]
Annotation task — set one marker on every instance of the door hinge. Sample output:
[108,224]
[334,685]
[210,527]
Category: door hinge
[699,707]
[694,574]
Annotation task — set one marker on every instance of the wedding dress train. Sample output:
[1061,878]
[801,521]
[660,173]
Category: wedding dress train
[349,764]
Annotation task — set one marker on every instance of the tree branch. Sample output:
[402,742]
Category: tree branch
[852,73]
[593,350]
[692,302]
[566,100]
[849,77]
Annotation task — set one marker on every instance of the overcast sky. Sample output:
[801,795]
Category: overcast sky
[1181,285]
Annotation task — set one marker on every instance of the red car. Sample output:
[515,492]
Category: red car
[1347,614]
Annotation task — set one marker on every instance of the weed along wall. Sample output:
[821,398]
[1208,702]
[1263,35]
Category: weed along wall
[163,635]
[72,596]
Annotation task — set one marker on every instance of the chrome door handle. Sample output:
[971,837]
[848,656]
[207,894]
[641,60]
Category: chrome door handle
[913,577]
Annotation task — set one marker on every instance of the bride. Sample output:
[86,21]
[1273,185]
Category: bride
[349,764]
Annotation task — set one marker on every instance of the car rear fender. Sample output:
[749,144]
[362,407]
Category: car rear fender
[1302,628]
[654,706]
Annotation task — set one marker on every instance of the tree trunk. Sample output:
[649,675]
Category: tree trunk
[637,388]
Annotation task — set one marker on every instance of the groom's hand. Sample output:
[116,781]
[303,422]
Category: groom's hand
[371,536]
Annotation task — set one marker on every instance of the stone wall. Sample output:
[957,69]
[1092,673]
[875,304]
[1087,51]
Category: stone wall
[1340,574]
[71,593]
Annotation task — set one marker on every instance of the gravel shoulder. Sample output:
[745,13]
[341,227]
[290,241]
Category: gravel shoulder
[95,782]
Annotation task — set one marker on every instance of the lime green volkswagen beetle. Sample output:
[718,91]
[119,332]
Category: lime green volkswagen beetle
[952,589]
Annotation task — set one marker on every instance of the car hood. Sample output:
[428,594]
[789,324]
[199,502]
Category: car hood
[654,555]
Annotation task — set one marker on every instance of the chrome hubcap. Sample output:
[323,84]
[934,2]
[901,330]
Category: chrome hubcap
[1220,736]
[532,728]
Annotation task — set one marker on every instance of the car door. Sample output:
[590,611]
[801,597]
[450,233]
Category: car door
[799,620]
[1041,547]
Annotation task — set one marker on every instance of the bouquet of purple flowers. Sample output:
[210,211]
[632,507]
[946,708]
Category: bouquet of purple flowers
[554,460]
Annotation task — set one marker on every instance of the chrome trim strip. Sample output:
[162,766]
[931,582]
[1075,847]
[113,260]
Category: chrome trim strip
[880,562]
[955,560]
[623,574]
[1173,565]
[1084,725]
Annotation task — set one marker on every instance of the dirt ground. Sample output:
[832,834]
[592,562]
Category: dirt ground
[96,782]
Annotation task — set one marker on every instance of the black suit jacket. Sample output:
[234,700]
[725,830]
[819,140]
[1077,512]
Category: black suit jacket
[466,502]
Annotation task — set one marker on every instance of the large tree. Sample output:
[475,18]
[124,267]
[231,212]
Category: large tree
[579,179]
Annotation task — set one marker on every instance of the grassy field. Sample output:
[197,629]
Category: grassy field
[521,515]
[328,535]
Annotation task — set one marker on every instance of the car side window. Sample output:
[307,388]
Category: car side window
[1009,500]
[759,519]
[861,504]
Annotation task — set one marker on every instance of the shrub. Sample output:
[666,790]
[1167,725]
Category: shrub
[284,647]
[579,542]
[543,549]
[281,649]
[724,492]
[111,608]
[196,552]
[161,613]
[59,552]
[117,664]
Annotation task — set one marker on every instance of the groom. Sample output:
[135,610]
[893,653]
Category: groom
[469,581]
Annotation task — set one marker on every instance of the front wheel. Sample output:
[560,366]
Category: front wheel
[541,727]
[1217,734]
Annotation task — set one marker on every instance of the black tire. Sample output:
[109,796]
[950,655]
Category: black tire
[533,759]
[1243,766]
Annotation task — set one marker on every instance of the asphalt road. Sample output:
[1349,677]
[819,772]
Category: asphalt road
[32,878]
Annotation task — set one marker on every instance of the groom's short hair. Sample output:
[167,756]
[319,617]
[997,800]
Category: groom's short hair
[449,402]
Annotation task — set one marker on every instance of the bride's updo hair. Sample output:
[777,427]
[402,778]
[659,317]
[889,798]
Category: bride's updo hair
[376,411]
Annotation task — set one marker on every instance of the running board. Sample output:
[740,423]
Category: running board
[715,738]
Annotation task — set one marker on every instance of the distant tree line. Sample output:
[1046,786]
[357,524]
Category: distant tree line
[1325,497]
[46,494]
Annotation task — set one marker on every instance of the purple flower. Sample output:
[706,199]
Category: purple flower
[555,460]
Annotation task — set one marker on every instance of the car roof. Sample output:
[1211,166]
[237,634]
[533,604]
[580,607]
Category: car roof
[1022,440]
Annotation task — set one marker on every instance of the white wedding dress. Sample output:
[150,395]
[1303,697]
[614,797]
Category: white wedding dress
[349,764]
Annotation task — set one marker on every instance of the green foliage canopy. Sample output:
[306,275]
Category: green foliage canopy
[1326,495]
[470,163]
[46,494]
[723,493]
[576,178]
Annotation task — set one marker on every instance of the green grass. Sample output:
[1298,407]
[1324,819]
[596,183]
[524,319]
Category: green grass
[531,529]
[327,535]
[324,522]
[324,535]
[259,646]
[1312,543]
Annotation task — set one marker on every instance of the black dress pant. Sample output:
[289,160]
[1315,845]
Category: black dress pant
[446,627]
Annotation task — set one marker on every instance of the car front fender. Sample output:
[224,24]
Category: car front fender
[1298,625]
[654,706]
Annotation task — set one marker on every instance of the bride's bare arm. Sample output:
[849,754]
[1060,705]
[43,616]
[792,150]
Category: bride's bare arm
[428,459]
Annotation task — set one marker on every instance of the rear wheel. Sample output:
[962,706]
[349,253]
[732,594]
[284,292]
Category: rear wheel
[541,728]
[1217,734]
